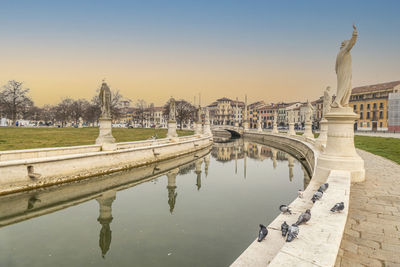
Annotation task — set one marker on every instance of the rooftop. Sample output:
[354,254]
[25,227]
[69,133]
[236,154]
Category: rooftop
[375,87]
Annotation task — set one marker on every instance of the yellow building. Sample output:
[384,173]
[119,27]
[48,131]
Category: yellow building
[371,102]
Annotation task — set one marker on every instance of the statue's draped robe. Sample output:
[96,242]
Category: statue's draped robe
[344,73]
[105,101]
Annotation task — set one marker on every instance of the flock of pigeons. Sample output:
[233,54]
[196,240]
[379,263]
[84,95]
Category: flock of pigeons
[291,231]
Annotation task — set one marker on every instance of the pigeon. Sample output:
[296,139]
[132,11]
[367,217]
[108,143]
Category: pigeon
[284,209]
[300,193]
[317,196]
[284,228]
[293,232]
[304,217]
[262,233]
[338,207]
[323,187]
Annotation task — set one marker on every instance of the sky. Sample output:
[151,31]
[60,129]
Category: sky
[270,50]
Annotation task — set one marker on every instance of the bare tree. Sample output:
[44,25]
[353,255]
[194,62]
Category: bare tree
[141,111]
[64,111]
[184,111]
[14,100]
[78,109]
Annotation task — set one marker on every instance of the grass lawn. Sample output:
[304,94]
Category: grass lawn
[24,138]
[383,146]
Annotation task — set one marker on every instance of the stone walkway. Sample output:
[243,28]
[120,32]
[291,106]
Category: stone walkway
[372,233]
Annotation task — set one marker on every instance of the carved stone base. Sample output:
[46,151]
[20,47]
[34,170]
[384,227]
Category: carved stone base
[308,130]
[207,129]
[199,129]
[323,133]
[275,128]
[340,153]
[291,129]
[172,129]
[105,133]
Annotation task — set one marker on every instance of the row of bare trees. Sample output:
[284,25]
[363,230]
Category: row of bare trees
[15,103]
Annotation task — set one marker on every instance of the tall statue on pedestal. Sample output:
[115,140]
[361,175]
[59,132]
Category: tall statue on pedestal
[339,152]
[172,119]
[323,124]
[105,137]
[308,124]
[291,122]
[344,72]
[327,101]
[275,124]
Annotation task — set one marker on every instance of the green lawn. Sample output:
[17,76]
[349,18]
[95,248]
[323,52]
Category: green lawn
[24,138]
[383,146]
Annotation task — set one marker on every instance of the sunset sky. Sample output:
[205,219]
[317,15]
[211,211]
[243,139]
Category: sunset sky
[271,50]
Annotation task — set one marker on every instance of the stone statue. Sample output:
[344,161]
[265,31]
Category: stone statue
[344,72]
[327,101]
[199,115]
[105,101]
[290,116]
[207,115]
[275,116]
[310,110]
[172,109]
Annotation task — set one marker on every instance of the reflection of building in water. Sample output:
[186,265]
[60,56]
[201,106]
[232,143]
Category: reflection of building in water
[228,151]
[105,201]
[198,172]
[290,164]
[206,164]
[172,195]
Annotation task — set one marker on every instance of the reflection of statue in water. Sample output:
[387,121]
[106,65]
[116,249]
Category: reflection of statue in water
[105,218]
[327,101]
[105,101]
[290,165]
[198,172]
[172,196]
[344,72]
[31,201]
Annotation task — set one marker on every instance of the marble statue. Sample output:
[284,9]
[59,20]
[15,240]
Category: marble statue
[172,110]
[290,116]
[275,117]
[327,101]
[344,72]
[310,110]
[105,101]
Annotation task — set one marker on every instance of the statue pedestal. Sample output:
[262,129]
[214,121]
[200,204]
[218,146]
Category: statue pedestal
[259,129]
[323,133]
[291,129]
[308,130]
[275,128]
[340,153]
[246,126]
[207,129]
[172,129]
[105,135]
[199,129]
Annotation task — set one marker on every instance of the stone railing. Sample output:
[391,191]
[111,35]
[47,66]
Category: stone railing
[32,172]
[319,241]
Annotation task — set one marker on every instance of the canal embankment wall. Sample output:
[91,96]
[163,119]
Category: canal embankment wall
[319,240]
[33,168]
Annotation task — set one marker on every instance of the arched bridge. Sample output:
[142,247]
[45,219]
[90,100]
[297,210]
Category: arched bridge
[235,131]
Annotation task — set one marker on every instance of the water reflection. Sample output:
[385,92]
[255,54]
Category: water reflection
[24,206]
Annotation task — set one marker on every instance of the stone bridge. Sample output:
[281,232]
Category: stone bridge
[235,131]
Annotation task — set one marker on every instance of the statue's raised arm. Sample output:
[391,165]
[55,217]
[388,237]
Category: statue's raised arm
[353,39]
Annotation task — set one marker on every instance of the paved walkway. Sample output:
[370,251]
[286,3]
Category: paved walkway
[372,233]
[378,134]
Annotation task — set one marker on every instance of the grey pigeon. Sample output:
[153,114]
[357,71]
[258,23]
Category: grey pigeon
[285,209]
[338,207]
[284,228]
[304,217]
[262,233]
[317,196]
[293,232]
[323,187]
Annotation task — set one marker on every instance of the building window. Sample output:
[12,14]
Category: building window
[361,115]
[361,106]
[381,105]
[380,124]
[368,106]
[374,105]
[368,114]
[355,107]
[380,114]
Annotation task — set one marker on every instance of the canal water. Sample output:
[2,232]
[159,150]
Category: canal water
[202,213]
